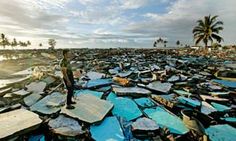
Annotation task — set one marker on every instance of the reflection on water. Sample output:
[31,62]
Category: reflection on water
[9,57]
[14,56]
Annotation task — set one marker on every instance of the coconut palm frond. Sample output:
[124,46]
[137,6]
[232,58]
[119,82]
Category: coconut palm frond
[217,38]
[208,29]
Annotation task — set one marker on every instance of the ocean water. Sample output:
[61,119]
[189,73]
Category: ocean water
[3,57]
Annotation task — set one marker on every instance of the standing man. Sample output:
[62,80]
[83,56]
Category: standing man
[68,78]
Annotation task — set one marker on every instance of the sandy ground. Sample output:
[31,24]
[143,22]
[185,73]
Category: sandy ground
[8,67]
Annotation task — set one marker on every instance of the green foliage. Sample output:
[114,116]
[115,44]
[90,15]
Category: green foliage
[52,43]
[6,42]
[208,30]
[161,41]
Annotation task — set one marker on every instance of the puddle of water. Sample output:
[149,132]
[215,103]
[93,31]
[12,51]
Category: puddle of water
[2,58]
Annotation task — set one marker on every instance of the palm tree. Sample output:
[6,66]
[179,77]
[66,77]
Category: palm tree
[52,43]
[155,44]
[28,43]
[177,42]
[14,43]
[160,40]
[165,42]
[208,30]
[7,43]
[3,40]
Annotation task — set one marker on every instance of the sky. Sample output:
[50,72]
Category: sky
[111,23]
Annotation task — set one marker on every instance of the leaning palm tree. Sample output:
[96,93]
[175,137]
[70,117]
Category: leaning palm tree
[208,30]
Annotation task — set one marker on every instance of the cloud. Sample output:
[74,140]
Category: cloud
[29,15]
[133,4]
[178,22]
[102,31]
[88,2]
[106,23]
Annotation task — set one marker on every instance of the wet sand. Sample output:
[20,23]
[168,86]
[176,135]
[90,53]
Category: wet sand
[8,67]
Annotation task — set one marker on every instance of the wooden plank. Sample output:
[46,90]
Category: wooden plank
[211,98]
[89,109]
[17,122]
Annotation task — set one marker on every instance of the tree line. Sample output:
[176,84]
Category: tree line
[4,41]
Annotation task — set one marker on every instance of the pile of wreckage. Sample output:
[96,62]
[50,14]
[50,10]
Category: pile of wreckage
[124,96]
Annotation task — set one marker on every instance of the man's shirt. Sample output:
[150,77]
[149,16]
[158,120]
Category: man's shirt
[67,65]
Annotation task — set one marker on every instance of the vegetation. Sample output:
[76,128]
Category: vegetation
[52,43]
[161,41]
[177,42]
[208,30]
[6,42]
[165,42]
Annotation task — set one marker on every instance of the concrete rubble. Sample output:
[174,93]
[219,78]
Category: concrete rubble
[124,95]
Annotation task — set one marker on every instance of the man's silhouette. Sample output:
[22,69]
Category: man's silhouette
[68,77]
